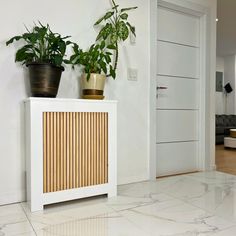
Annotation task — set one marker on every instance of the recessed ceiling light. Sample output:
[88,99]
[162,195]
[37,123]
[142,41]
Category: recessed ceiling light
[217,19]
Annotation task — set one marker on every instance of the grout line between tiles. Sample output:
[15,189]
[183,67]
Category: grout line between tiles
[28,219]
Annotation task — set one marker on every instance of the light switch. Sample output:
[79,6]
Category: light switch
[132,74]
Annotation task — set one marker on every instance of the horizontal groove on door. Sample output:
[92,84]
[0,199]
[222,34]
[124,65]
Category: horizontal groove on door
[172,109]
[188,141]
[177,76]
[75,150]
[181,44]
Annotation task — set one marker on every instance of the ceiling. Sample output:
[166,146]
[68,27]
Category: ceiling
[226,27]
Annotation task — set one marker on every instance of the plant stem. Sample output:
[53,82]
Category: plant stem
[116,58]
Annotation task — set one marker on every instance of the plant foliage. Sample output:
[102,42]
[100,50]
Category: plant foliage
[41,45]
[97,59]
[115,29]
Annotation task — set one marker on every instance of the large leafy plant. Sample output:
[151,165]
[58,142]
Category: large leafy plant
[115,29]
[41,46]
[97,59]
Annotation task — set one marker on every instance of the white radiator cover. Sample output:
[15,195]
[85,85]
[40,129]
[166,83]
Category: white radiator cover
[71,149]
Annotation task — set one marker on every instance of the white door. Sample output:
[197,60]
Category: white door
[178,92]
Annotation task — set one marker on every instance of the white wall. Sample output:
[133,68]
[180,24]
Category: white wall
[74,18]
[229,77]
[220,97]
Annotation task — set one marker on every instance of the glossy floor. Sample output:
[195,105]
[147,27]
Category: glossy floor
[188,205]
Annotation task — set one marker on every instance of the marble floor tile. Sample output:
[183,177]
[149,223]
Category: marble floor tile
[13,221]
[175,218]
[198,204]
[120,203]
[148,188]
[67,212]
[16,228]
[111,224]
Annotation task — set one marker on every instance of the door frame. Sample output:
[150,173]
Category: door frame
[206,154]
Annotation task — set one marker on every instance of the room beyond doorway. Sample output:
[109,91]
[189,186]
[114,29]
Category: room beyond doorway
[225,159]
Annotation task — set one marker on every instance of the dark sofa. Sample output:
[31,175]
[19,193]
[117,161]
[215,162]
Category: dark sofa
[223,124]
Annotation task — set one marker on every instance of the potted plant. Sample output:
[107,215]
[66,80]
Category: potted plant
[96,62]
[43,53]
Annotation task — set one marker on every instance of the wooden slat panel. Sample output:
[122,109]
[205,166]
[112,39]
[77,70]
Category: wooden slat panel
[75,149]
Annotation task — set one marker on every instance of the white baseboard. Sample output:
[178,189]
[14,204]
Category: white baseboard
[12,197]
[132,179]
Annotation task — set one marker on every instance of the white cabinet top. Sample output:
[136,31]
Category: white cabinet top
[69,100]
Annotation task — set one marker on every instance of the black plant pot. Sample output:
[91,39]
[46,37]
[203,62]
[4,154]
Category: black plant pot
[44,79]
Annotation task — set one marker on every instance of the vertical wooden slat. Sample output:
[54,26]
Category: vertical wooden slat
[102,148]
[67,150]
[95,148]
[89,148]
[73,150]
[86,150]
[44,152]
[98,148]
[106,148]
[61,149]
[48,151]
[54,152]
[51,152]
[82,148]
[92,148]
[70,151]
[76,150]
[58,150]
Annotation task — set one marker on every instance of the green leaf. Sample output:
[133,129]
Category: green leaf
[128,9]
[124,16]
[105,17]
[103,66]
[111,46]
[102,45]
[132,28]
[24,54]
[112,72]
[114,38]
[105,32]
[57,60]
[99,21]
[108,59]
[109,15]
[96,47]
[122,30]
[12,39]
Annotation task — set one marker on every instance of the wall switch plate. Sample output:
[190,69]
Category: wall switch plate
[132,74]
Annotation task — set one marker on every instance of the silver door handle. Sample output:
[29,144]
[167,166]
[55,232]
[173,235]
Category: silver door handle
[161,87]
